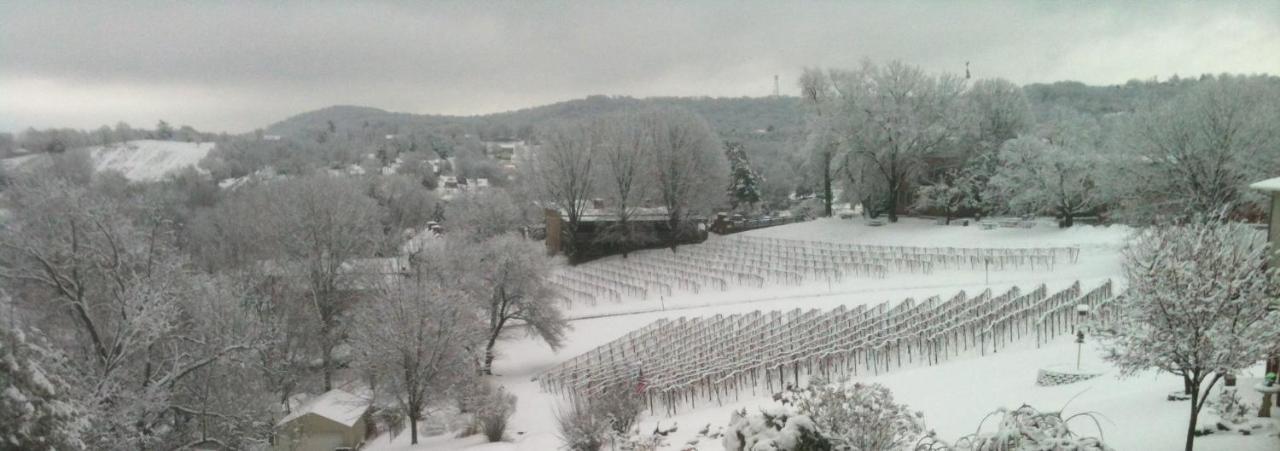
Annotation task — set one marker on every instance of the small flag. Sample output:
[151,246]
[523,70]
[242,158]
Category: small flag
[641,383]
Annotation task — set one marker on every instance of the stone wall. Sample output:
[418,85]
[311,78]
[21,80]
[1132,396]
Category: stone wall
[1048,378]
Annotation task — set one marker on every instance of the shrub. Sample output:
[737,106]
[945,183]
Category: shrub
[776,428]
[1028,429]
[1231,409]
[580,430]
[859,416]
[619,407]
[493,411]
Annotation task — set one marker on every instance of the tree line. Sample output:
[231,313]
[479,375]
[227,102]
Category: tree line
[899,139]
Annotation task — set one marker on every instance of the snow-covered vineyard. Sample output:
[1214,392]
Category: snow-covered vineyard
[754,262]
[686,360]
[951,334]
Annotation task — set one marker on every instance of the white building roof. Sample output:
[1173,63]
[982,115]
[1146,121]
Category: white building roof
[337,405]
[1267,185]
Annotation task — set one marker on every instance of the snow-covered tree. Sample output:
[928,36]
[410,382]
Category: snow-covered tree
[136,318]
[507,278]
[415,338]
[480,215]
[37,410]
[954,190]
[744,183]
[1001,111]
[1044,175]
[1199,152]
[321,223]
[892,117]
[1197,306]
[821,144]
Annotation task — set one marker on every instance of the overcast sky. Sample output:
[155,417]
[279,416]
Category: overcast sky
[237,66]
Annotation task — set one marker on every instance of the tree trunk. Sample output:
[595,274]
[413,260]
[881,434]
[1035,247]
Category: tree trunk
[826,184]
[326,361]
[892,204]
[1191,424]
[413,429]
[1068,219]
[487,369]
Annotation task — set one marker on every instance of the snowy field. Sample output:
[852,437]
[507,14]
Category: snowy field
[954,395]
[141,160]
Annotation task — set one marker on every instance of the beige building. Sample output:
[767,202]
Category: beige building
[332,421]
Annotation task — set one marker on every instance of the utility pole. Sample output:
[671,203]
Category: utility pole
[776,92]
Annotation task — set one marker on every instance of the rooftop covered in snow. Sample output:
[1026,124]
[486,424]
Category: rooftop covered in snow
[1272,185]
[337,405]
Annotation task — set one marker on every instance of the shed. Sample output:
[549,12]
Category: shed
[332,421]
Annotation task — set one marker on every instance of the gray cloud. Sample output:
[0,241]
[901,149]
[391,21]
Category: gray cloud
[235,66]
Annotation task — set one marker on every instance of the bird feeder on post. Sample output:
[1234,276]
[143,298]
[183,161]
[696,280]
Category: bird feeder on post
[1082,312]
[1272,188]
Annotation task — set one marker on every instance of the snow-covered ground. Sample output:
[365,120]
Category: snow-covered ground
[954,395]
[141,160]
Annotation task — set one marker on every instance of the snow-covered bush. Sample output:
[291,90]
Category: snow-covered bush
[859,416]
[493,411]
[639,442]
[1026,429]
[580,430]
[954,191]
[36,411]
[619,407]
[1231,409]
[776,428]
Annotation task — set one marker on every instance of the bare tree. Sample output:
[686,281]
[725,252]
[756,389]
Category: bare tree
[324,223]
[688,169]
[415,336]
[561,172]
[625,160]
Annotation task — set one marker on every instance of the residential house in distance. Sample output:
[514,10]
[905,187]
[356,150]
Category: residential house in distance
[651,228]
[332,421]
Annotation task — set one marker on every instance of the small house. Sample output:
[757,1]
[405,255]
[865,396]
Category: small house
[332,421]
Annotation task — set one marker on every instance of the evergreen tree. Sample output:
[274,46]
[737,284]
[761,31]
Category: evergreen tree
[744,183]
[36,411]
[164,131]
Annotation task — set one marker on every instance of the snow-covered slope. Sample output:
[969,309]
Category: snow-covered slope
[142,160]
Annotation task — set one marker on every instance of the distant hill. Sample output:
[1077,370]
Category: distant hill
[141,160]
[729,116]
